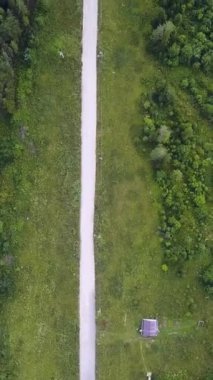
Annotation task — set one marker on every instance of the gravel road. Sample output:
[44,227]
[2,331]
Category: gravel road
[88,173]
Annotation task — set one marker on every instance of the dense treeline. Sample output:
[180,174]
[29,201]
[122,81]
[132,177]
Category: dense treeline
[182,33]
[180,160]
[15,28]
[14,25]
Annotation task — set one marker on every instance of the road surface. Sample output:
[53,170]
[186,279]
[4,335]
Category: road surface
[88,172]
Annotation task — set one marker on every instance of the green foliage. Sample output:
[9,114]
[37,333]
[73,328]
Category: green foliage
[164,268]
[14,28]
[178,375]
[162,35]
[207,279]
[6,366]
[135,242]
[6,152]
[201,95]
[185,37]
[14,25]
[34,128]
[163,94]
[164,134]
[180,161]
[158,154]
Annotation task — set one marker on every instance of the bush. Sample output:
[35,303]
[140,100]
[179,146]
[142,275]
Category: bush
[164,268]
[6,152]
[162,35]
[158,154]
[163,94]
[207,279]
[164,134]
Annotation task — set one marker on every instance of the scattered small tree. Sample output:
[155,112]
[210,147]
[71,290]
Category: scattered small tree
[158,154]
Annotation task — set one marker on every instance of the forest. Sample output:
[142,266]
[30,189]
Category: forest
[15,21]
[179,149]
[16,30]
[15,33]
[182,34]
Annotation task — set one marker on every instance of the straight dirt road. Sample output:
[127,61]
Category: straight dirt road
[88,173]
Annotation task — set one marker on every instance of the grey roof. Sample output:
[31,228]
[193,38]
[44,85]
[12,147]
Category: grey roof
[149,327]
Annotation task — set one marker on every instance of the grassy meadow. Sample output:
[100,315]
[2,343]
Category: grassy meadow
[41,317]
[130,282]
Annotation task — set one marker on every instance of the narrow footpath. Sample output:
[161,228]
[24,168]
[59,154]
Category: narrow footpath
[88,173]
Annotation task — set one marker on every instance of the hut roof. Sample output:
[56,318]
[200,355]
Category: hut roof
[149,327]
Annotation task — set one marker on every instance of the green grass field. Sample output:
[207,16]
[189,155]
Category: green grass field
[130,282]
[42,316]
[39,322]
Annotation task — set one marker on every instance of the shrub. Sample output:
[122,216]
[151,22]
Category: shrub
[164,268]
[207,279]
[158,154]
[161,36]
[163,94]
[164,134]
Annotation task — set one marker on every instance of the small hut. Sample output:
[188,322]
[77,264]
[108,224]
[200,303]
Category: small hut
[149,328]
